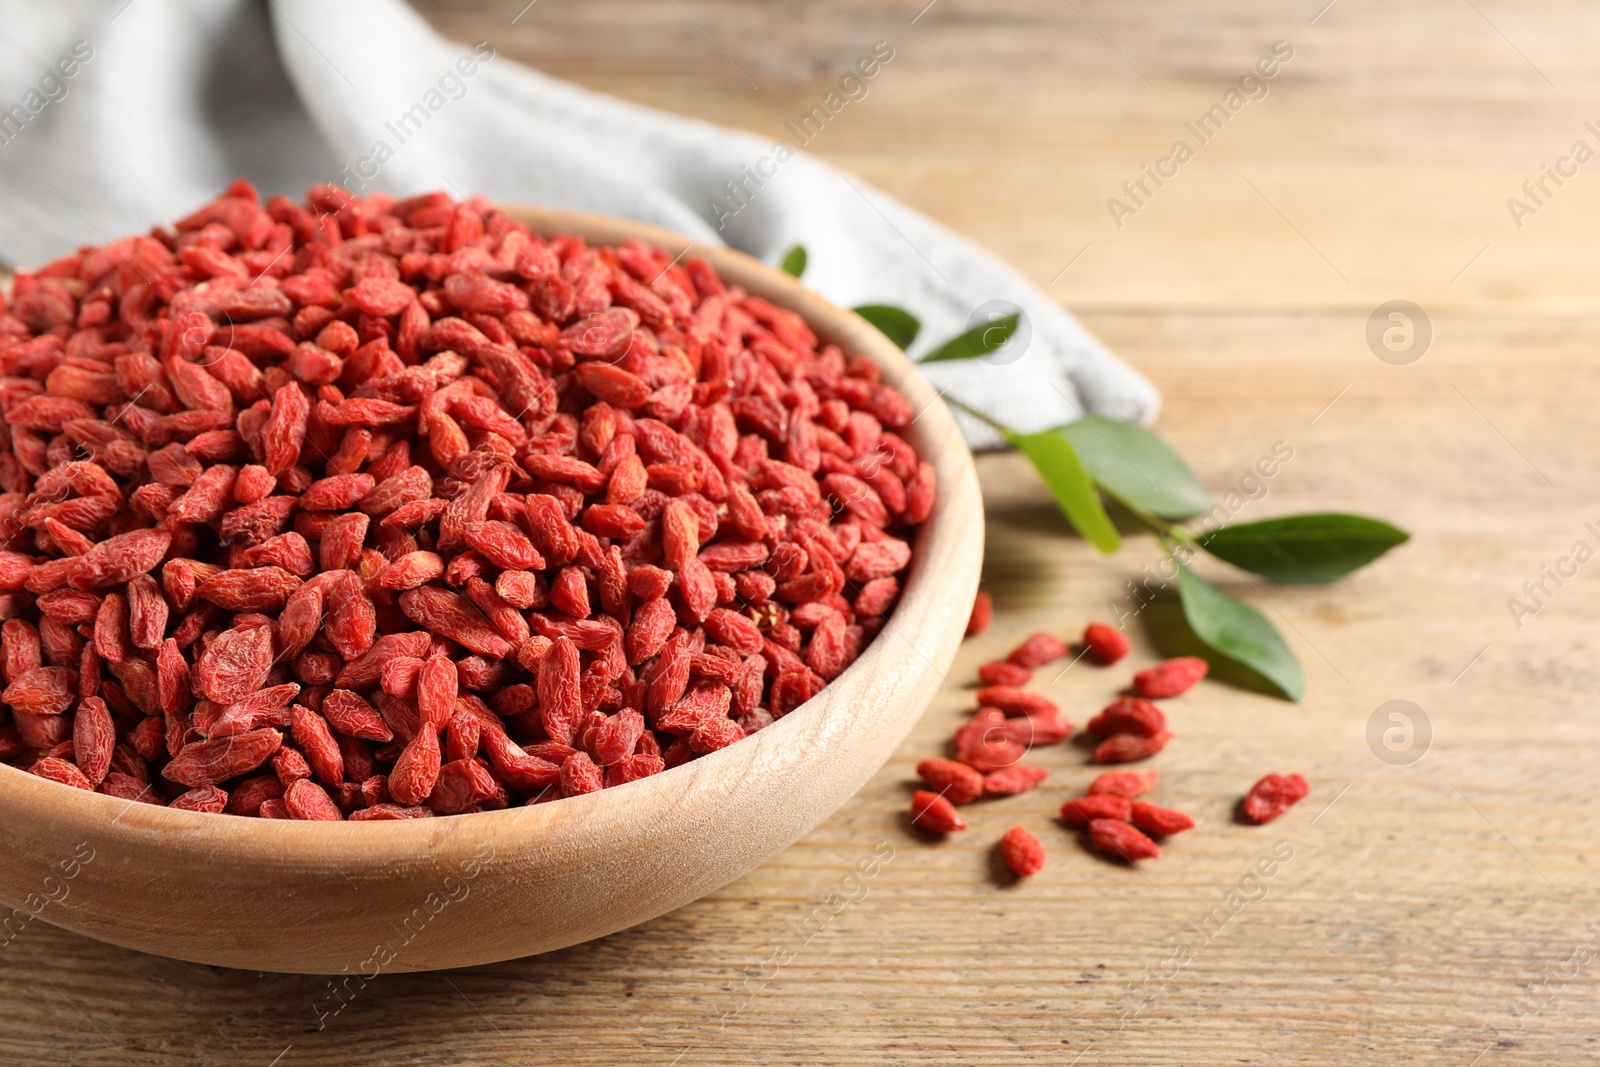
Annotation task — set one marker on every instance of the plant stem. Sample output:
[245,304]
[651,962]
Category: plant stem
[1164,530]
[975,413]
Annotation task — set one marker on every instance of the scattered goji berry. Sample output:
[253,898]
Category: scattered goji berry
[933,812]
[1009,781]
[1126,748]
[1083,810]
[1127,784]
[1157,821]
[1046,728]
[1022,852]
[1274,795]
[956,781]
[1105,643]
[1128,715]
[1118,839]
[1015,701]
[1004,672]
[1170,677]
[1037,650]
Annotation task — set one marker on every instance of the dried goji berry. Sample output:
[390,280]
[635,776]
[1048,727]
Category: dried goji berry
[1273,795]
[1126,748]
[1009,781]
[1127,784]
[1106,644]
[1015,701]
[1170,677]
[305,799]
[1121,840]
[1037,650]
[956,781]
[1158,822]
[1083,810]
[1022,852]
[1004,672]
[1128,715]
[933,812]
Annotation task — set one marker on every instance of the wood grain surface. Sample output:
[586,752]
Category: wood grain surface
[1442,912]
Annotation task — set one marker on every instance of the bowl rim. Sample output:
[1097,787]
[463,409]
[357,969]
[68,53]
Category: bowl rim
[74,811]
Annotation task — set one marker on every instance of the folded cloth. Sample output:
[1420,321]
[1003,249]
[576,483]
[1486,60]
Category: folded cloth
[118,115]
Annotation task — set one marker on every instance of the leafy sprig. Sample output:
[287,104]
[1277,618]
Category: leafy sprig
[1092,460]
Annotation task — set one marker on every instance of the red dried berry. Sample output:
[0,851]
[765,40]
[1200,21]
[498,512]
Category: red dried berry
[1274,795]
[1121,840]
[957,782]
[1126,748]
[1037,650]
[417,769]
[1127,784]
[1170,678]
[1158,822]
[1022,852]
[988,726]
[933,812]
[59,770]
[1084,810]
[215,761]
[1128,715]
[1012,780]
[1106,644]
[1014,701]
[1004,672]
[1048,728]
[306,800]
[990,756]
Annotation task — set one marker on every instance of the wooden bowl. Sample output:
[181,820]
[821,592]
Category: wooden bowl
[359,898]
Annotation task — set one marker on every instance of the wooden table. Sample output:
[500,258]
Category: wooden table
[1439,912]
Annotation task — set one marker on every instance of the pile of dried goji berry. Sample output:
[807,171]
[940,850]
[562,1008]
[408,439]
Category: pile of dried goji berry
[1011,720]
[380,509]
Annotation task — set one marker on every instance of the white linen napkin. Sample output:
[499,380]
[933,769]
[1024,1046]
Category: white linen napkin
[119,115]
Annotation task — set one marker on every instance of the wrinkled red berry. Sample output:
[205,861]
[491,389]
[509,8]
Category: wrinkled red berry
[1121,840]
[1022,852]
[1157,821]
[1274,795]
[1106,644]
[933,812]
[1170,677]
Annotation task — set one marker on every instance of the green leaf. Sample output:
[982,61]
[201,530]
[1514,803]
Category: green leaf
[1304,549]
[794,261]
[1052,456]
[978,341]
[1138,467]
[1239,632]
[897,324]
